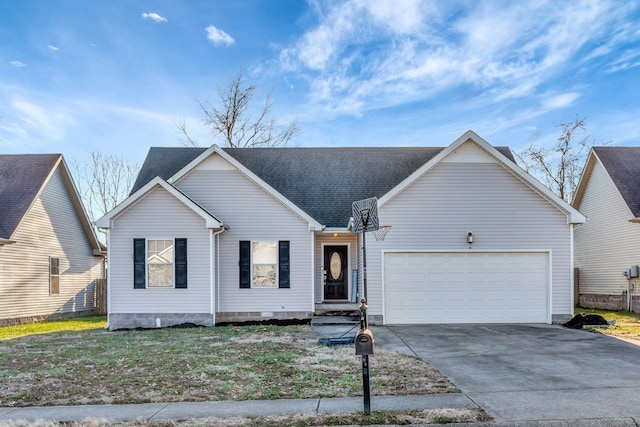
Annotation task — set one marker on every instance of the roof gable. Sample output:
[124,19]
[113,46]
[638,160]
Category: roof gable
[210,220]
[622,164]
[22,176]
[460,149]
[22,179]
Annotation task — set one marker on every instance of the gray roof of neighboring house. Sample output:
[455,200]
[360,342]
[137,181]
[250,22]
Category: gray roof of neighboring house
[623,166]
[21,177]
[323,182]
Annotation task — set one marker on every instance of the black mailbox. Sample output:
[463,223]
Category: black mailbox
[364,342]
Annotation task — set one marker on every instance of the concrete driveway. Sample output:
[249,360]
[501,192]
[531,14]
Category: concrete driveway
[529,372]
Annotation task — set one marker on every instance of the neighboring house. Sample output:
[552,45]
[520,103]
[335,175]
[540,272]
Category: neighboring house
[50,256]
[606,246]
[213,235]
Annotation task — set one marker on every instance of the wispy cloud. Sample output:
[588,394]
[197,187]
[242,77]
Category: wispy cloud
[560,101]
[154,17]
[36,120]
[52,48]
[370,55]
[18,64]
[217,36]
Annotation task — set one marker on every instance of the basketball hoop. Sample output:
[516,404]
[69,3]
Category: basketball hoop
[381,232]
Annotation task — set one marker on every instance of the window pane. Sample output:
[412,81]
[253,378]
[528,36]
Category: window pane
[160,275]
[265,259]
[160,262]
[264,275]
[264,252]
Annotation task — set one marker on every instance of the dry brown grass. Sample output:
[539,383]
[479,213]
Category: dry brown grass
[199,364]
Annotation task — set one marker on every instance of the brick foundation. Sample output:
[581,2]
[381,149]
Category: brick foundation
[43,318]
[610,302]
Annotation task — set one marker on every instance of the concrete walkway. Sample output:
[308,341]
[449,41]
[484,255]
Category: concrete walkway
[230,409]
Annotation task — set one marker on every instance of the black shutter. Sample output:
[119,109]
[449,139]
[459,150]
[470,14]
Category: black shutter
[139,258]
[180,261]
[245,264]
[283,264]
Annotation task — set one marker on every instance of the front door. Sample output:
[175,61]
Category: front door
[336,273]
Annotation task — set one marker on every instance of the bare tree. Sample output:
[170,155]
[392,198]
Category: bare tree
[232,120]
[104,182]
[560,166]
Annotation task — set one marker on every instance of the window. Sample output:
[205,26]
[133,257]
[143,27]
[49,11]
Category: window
[264,264]
[54,275]
[264,256]
[159,263]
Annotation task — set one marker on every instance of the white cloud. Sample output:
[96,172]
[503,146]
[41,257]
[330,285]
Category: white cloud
[18,64]
[37,120]
[394,52]
[154,17]
[560,101]
[52,48]
[218,36]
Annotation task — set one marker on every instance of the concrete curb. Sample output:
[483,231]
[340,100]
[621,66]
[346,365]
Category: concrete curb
[230,409]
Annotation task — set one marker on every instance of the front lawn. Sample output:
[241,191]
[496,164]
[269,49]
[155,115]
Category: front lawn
[627,323]
[198,364]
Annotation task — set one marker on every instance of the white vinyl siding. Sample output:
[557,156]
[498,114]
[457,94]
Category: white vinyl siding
[436,212]
[50,229]
[607,244]
[159,216]
[252,214]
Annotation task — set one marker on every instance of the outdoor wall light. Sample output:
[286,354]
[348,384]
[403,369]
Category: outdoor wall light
[469,237]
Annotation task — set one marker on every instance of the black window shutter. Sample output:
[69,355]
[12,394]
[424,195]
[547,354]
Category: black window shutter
[180,261]
[139,258]
[245,264]
[283,264]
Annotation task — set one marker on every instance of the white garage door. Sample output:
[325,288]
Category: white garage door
[466,287]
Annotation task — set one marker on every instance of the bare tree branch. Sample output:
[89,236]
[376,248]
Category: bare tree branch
[103,182]
[560,166]
[232,121]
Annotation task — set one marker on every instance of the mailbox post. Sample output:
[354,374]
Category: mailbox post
[365,218]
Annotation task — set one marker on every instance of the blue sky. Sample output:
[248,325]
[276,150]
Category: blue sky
[115,76]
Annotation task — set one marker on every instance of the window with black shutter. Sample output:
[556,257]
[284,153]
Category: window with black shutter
[181,263]
[245,264]
[139,263]
[283,264]
[264,264]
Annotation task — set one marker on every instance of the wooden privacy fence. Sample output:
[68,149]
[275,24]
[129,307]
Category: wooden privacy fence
[100,290]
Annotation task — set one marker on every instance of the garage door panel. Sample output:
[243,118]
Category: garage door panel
[466,287]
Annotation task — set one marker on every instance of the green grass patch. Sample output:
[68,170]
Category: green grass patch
[83,323]
[627,323]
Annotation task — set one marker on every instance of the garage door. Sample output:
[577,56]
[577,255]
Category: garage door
[466,287]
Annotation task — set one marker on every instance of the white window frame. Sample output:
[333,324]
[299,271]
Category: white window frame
[148,264]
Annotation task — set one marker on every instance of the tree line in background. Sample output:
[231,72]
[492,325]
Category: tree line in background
[105,181]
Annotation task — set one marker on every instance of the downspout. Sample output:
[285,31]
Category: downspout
[213,271]
[573,292]
[313,272]
[108,278]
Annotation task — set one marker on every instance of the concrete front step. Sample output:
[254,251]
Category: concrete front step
[334,320]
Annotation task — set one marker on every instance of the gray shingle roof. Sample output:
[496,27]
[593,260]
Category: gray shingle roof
[21,177]
[623,166]
[323,182]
